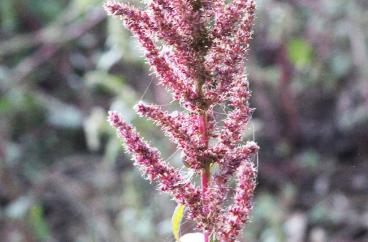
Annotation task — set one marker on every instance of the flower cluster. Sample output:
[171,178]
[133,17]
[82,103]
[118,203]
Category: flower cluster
[197,49]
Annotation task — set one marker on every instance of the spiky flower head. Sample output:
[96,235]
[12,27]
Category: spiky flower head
[197,49]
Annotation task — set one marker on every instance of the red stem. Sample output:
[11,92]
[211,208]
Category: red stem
[205,175]
[204,180]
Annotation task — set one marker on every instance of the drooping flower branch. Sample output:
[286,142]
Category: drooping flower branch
[197,49]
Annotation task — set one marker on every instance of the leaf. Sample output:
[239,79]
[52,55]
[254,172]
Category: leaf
[299,52]
[38,222]
[213,239]
[176,220]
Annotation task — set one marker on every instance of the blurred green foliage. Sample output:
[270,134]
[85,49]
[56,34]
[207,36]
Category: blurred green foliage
[38,222]
[300,53]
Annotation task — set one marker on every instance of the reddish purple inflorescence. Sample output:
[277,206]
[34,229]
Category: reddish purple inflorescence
[197,49]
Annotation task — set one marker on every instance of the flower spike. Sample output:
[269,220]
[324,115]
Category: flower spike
[197,50]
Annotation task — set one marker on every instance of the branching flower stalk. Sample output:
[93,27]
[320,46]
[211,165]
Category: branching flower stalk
[197,49]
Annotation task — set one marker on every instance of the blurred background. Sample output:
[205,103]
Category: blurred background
[64,176]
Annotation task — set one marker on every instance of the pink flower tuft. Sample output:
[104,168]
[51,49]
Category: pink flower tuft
[197,49]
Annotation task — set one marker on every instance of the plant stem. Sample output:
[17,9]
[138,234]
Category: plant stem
[205,181]
[206,171]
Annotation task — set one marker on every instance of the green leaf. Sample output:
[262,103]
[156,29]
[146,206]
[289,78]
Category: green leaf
[213,238]
[38,222]
[176,220]
[300,52]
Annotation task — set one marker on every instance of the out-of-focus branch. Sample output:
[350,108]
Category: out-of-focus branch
[286,97]
[30,40]
[49,48]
